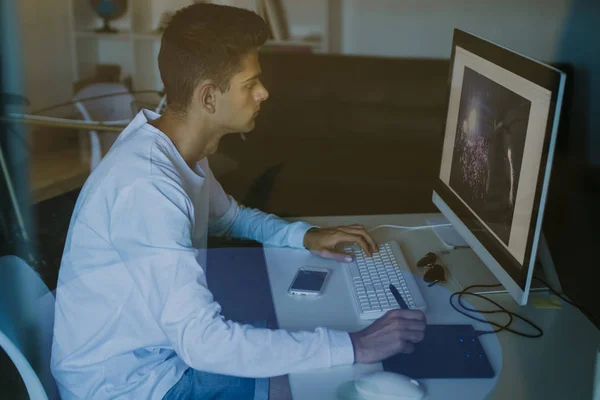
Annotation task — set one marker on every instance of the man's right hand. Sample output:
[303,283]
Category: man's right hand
[395,332]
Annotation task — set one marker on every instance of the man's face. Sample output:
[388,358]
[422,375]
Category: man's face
[238,107]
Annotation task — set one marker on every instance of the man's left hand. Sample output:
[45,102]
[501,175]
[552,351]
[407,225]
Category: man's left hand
[323,241]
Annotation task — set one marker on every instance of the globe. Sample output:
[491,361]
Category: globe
[109,10]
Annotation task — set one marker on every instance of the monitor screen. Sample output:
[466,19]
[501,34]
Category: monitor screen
[496,157]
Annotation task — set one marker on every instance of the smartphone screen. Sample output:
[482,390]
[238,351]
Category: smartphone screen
[309,280]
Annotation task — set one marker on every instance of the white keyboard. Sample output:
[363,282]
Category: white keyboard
[371,278]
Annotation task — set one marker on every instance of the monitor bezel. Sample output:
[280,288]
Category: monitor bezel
[547,77]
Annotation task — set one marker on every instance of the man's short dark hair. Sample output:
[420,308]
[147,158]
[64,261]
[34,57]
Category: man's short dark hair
[206,41]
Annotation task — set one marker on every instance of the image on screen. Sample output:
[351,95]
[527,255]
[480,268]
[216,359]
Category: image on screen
[488,150]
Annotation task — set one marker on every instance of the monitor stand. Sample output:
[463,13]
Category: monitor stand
[466,269]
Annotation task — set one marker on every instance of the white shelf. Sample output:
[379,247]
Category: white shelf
[124,35]
[135,47]
[148,35]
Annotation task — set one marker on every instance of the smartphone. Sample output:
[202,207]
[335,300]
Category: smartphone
[309,281]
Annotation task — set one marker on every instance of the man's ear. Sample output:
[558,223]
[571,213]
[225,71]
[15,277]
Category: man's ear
[206,96]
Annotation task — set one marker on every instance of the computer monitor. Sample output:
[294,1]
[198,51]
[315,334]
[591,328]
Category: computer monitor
[499,139]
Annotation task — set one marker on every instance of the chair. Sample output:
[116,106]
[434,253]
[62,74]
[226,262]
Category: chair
[26,324]
[120,106]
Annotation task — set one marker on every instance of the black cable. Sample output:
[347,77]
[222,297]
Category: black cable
[505,327]
[464,292]
[580,308]
[67,103]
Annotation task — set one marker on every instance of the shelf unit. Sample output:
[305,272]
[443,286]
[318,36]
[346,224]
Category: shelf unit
[135,47]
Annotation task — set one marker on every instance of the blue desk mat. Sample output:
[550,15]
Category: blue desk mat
[448,351]
[238,280]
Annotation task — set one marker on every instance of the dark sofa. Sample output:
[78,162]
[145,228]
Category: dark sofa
[342,135]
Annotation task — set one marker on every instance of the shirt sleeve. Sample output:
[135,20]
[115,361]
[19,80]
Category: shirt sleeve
[228,218]
[151,228]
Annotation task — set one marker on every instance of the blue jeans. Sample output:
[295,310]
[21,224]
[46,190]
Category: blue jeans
[200,385]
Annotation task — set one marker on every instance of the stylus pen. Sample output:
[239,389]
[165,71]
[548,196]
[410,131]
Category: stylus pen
[397,296]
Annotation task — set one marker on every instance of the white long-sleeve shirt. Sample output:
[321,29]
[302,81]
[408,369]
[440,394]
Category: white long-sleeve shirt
[133,309]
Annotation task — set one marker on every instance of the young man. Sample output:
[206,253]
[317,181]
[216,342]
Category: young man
[134,317]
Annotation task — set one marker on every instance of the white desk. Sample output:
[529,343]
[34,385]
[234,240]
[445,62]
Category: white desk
[559,365]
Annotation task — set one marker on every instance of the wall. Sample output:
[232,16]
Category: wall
[579,46]
[578,179]
[46,53]
[304,17]
[423,28]
[10,44]
[548,30]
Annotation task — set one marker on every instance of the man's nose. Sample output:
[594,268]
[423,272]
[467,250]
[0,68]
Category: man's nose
[263,93]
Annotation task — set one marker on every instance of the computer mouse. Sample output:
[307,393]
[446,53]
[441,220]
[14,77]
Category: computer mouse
[383,385]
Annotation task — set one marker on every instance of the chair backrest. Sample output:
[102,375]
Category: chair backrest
[26,323]
[112,108]
[119,106]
